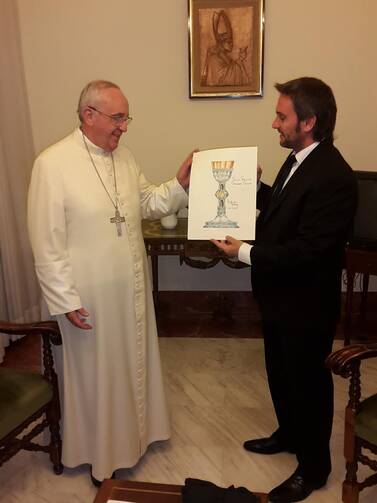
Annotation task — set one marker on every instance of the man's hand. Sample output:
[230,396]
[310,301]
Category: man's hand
[259,173]
[183,175]
[230,246]
[78,318]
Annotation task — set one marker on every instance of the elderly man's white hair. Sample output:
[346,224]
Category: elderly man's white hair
[90,95]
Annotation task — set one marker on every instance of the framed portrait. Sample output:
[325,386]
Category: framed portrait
[226,48]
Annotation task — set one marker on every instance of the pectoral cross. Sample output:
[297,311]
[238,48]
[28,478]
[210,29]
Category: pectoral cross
[117,220]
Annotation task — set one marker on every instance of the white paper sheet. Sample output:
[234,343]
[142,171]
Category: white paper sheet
[222,199]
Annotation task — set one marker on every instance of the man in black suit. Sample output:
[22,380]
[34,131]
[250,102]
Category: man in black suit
[296,265]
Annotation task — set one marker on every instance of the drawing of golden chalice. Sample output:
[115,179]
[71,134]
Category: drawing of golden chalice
[222,171]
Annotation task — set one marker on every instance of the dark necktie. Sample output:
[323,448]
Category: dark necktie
[283,175]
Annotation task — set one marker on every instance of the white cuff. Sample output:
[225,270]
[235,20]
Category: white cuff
[244,253]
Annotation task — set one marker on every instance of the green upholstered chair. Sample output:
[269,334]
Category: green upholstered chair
[30,401]
[360,433]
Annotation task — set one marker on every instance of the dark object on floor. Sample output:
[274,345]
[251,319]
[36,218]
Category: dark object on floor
[295,488]
[268,445]
[360,418]
[96,482]
[201,491]
[27,397]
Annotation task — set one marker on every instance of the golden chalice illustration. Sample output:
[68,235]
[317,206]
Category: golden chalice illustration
[222,171]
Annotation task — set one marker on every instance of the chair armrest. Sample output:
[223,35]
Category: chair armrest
[43,328]
[343,361]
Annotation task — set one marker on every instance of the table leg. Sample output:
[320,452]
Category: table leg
[154,260]
[364,295]
[348,309]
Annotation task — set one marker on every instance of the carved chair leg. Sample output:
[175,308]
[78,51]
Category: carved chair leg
[350,485]
[350,493]
[55,440]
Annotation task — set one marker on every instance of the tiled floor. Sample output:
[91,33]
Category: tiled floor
[218,397]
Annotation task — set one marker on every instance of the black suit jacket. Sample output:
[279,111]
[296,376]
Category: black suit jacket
[297,258]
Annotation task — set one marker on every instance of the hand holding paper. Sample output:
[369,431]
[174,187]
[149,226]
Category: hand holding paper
[183,174]
[230,246]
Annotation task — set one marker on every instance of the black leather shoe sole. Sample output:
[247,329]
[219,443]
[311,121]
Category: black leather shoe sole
[267,445]
[294,489]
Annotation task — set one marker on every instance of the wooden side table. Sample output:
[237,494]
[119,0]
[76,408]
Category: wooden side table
[159,241]
[143,492]
[357,261]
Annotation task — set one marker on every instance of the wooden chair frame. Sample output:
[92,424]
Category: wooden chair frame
[49,414]
[346,363]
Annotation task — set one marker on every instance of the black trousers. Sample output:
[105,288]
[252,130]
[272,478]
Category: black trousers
[302,391]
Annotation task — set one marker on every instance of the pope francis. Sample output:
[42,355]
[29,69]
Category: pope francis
[86,201]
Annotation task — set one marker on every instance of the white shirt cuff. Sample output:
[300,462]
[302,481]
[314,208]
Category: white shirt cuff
[244,253]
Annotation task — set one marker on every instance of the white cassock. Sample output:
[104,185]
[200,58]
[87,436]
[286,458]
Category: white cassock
[111,387]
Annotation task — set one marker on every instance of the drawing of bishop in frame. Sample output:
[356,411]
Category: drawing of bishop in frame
[226,48]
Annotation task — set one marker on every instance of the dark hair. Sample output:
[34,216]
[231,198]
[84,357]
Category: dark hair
[311,97]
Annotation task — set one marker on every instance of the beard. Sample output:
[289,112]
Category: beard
[290,141]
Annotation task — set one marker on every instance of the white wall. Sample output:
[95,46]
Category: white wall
[143,46]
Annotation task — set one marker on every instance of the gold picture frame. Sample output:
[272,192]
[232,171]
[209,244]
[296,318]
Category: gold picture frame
[226,48]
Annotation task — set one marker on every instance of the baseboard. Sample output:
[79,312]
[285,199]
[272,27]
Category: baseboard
[236,314]
[208,314]
[204,302]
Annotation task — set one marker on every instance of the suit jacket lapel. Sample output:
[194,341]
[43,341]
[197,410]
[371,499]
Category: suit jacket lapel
[293,183]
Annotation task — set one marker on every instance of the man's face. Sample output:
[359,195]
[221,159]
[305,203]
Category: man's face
[288,124]
[105,131]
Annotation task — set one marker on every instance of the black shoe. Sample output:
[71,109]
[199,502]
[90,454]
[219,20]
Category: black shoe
[96,482]
[269,445]
[296,488]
